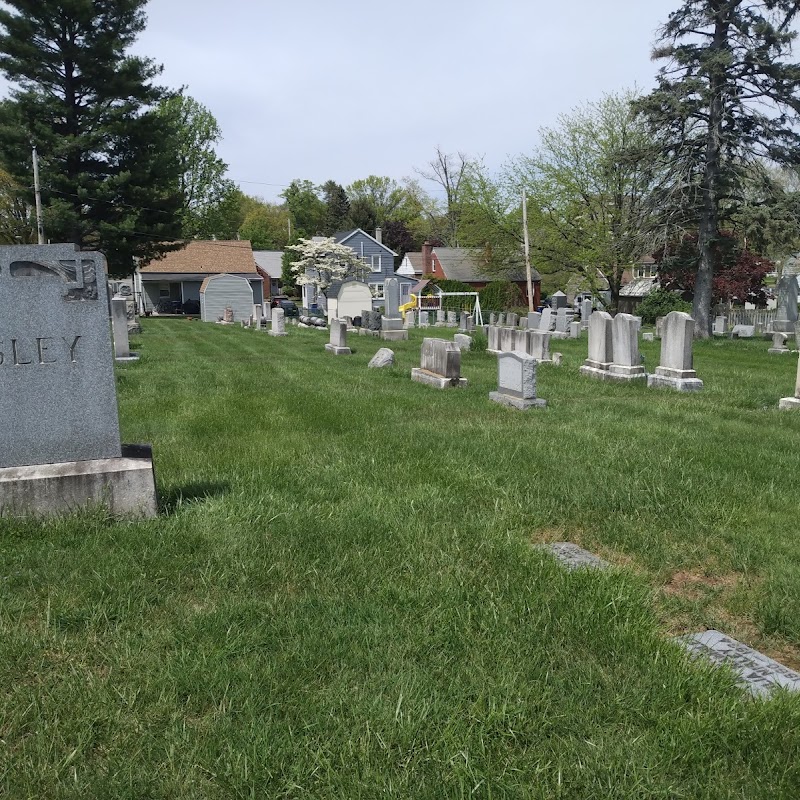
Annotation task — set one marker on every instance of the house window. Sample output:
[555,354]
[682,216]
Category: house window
[405,293]
[645,271]
[163,290]
[375,263]
[377,290]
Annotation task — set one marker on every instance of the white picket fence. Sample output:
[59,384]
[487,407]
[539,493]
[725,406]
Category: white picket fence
[761,317]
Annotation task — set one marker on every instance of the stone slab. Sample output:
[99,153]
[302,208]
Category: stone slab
[519,403]
[338,351]
[125,485]
[574,557]
[678,384]
[393,336]
[759,674]
[58,398]
[789,403]
[437,381]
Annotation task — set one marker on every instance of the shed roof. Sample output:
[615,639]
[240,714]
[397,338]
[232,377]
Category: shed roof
[271,261]
[466,265]
[204,284]
[211,257]
[638,288]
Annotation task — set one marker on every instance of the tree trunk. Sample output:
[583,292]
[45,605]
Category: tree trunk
[708,228]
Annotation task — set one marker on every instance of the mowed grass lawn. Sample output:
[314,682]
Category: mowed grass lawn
[341,598]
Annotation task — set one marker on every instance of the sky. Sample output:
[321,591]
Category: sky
[320,90]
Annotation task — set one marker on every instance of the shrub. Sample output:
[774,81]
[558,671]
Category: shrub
[659,303]
[479,342]
[500,296]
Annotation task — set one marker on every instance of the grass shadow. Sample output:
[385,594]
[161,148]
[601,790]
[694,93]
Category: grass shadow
[170,500]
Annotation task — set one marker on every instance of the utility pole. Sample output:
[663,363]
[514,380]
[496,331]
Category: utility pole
[38,195]
[527,250]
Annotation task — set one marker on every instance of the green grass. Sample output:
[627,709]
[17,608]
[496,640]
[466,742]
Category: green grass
[341,600]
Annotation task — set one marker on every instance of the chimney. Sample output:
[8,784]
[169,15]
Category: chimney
[427,259]
[379,235]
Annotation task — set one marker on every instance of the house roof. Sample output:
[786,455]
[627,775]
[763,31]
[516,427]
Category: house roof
[467,266]
[270,261]
[210,257]
[206,281]
[638,288]
[341,237]
[416,261]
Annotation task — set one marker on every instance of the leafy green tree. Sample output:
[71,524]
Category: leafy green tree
[266,225]
[592,183]
[108,181]
[375,200]
[306,209]
[202,182]
[16,224]
[726,97]
[337,208]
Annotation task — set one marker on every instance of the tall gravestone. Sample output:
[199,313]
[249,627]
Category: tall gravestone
[392,329]
[601,345]
[627,361]
[440,365]
[119,326]
[586,313]
[792,402]
[338,341]
[676,370]
[60,444]
[278,322]
[546,321]
[786,312]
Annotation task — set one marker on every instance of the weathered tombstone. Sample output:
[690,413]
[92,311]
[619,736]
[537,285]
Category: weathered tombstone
[586,312]
[574,330]
[463,341]
[424,319]
[534,319]
[561,320]
[512,319]
[743,332]
[383,358]
[59,444]
[452,319]
[440,322]
[627,361]
[520,340]
[392,328]
[440,365]
[676,368]
[463,322]
[546,322]
[523,323]
[792,402]
[470,323]
[493,318]
[278,322]
[501,320]
[119,325]
[719,325]
[516,382]
[507,339]
[659,326]
[493,337]
[375,322]
[648,337]
[601,345]
[409,318]
[538,345]
[779,344]
[338,342]
[558,300]
[786,313]
[227,315]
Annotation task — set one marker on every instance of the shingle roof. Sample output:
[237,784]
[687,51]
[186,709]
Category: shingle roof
[207,256]
[467,266]
[638,288]
[271,261]
[416,261]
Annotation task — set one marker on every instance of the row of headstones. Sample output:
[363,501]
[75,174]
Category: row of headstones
[562,322]
[614,351]
[442,319]
[535,343]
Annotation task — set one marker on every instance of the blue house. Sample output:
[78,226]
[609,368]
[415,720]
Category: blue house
[378,262]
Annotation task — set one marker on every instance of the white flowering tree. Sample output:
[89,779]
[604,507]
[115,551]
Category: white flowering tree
[321,263]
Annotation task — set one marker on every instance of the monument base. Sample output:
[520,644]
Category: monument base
[437,381]
[126,359]
[666,379]
[275,333]
[338,351]
[619,372]
[779,351]
[560,334]
[394,336]
[595,369]
[788,403]
[125,486]
[516,402]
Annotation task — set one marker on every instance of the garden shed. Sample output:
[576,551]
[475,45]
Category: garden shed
[218,292]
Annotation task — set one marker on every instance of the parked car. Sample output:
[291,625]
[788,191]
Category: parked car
[289,307]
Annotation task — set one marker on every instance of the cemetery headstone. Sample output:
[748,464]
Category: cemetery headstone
[586,312]
[546,322]
[676,368]
[440,320]
[119,325]
[659,326]
[440,365]
[507,339]
[534,320]
[718,328]
[383,358]
[424,319]
[278,322]
[558,300]
[60,444]
[523,323]
[788,403]
[462,323]
[501,320]
[338,342]
[392,328]
[601,345]
[538,345]
[627,362]
[452,319]
[516,382]
[573,557]
[493,337]
[574,330]
[512,319]
[779,344]
[786,312]
[409,318]
[649,336]
[743,332]
[463,341]
[492,318]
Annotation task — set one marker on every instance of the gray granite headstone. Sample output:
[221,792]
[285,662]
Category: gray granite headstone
[546,321]
[786,312]
[586,312]
[440,364]
[119,325]
[759,674]
[516,381]
[391,293]
[676,370]
[278,322]
[57,395]
[534,318]
[574,557]
[600,345]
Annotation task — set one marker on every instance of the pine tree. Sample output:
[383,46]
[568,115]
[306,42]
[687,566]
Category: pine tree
[726,98]
[107,180]
[337,207]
